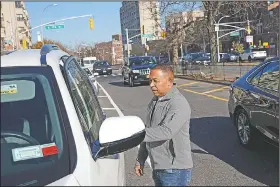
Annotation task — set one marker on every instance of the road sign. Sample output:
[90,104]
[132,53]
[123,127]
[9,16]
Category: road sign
[147,35]
[236,33]
[249,38]
[51,27]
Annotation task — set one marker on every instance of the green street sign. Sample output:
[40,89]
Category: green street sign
[234,33]
[51,27]
[147,35]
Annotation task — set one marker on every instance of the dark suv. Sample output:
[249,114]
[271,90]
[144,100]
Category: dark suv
[254,104]
[137,70]
[102,67]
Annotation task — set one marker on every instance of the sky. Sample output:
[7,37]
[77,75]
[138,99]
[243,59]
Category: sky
[105,14]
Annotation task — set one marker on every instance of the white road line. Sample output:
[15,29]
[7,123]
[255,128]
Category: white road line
[108,109]
[113,75]
[120,113]
[102,96]
[105,75]
[119,74]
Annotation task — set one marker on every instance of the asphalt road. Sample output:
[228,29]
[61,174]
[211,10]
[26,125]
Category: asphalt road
[218,157]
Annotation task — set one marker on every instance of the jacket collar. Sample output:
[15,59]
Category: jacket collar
[168,96]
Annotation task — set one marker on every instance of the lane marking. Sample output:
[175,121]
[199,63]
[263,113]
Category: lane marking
[215,90]
[207,95]
[113,75]
[104,75]
[119,74]
[108,109]
[120,114]
[102,96]
[187,84]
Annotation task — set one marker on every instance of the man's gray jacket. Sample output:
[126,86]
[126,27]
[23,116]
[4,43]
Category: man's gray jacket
[167,140]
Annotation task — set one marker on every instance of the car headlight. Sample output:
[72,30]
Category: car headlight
[135,71]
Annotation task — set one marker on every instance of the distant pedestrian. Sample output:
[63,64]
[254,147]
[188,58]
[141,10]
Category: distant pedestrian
[167,140]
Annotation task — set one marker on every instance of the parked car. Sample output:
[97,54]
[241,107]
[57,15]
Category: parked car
[202,59]
[233,56]
[53,130]
[224,57]
[191,57]
[102,68]
[254,104]
[137,70]
[253,54]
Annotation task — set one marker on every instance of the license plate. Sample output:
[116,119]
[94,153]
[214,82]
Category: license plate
[147,76]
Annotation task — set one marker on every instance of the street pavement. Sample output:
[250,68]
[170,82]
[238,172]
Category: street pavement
[218,157]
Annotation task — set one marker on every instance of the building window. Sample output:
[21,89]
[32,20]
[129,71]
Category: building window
[20,17]
[18,4]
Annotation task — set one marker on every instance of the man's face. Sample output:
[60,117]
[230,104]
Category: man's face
[159,82]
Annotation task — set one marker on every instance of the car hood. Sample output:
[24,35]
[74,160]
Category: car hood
[143,66]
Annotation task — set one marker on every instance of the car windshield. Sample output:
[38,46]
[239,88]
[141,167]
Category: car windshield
[102,63]
[32,143]
[138,61]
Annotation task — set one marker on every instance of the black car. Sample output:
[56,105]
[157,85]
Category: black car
[102,68]
[254,104]
[137,69]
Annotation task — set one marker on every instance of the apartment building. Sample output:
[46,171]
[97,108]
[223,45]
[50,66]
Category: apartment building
[14,21]
[111,51]
[135,14]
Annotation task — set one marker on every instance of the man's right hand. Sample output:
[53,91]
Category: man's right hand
[139,170]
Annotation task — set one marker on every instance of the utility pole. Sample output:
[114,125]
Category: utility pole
[127,45]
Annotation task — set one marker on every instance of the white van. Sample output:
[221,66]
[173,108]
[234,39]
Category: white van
[88,62]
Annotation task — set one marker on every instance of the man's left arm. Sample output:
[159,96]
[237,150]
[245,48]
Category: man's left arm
[177,115]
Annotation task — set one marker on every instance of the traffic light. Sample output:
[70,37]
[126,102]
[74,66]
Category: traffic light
[163,34]
[248,30]
[143,29]
[91,24]
[24,44]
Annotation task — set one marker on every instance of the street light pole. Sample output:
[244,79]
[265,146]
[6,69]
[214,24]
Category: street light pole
[127,45]
[41,21]
[218,45]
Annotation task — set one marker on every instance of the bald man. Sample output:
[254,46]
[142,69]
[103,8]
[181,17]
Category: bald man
[167,140]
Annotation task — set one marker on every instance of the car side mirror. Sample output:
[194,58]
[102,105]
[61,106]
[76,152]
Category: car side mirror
[118,134]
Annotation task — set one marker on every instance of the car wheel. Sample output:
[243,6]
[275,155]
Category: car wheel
[249,59]
[131,83]
[244,129]
[124,81]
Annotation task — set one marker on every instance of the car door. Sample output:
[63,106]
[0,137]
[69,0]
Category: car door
[91,117]
[245,55]
[265,106]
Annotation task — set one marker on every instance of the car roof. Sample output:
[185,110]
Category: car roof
[31,57]
[140,56]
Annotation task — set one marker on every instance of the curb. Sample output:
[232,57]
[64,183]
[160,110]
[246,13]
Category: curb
[226,83]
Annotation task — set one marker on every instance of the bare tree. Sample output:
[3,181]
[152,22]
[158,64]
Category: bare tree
[179,21]
[186,30]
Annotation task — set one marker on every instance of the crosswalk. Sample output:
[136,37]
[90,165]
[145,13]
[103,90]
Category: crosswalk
[112,75]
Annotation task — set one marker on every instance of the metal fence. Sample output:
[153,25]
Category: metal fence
[223,72]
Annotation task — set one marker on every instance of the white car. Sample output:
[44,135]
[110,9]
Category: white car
[253,54]
[88,62]
[52,128]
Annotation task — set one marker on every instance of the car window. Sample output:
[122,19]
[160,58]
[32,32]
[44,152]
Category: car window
[85,101]
[268,77]
[138,61]
[33,143]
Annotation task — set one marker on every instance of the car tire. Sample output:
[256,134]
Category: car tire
[244,128]
[131,83]
[124,81]
[249,59]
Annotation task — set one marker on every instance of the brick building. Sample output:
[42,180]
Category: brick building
[111,51]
